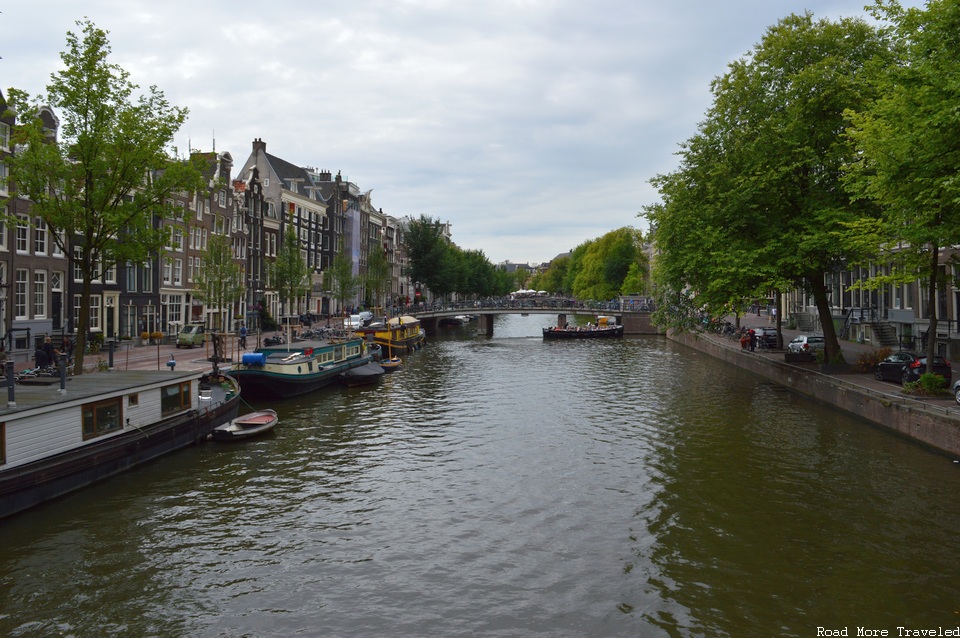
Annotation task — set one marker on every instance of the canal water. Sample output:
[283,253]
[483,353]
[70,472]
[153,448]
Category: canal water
[505,487]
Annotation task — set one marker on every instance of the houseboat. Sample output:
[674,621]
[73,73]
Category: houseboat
[292,369]
[398,335]
[58,438]
[605,328]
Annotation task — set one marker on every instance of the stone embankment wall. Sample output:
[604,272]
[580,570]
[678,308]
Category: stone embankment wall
[932,425]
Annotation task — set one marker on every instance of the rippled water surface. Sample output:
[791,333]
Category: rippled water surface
[509,487]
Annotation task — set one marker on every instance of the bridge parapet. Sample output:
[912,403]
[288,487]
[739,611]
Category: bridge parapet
[635,322]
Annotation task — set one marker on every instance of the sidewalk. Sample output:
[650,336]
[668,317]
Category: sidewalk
[132,356]
[851,353]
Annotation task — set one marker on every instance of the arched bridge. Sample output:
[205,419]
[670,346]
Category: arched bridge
[636,320]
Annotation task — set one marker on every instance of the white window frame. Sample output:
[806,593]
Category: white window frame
[39,294]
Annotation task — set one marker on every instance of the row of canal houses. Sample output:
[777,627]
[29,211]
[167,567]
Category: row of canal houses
[253,204]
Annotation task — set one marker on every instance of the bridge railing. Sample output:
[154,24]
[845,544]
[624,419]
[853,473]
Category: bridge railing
[528,303]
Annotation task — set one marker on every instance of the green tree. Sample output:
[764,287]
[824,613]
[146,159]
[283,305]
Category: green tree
[378,276]
[909,143]
[289,273]
[552,278]
[219,282]
[479,275]
[431,260]
[105,183]
[605,264]
[758,203]
[340,278]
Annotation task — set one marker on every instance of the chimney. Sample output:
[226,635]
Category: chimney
[259,145]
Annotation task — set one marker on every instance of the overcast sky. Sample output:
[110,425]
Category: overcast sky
[530,125]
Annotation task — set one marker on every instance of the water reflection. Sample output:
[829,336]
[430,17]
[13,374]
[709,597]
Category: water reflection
[508,486]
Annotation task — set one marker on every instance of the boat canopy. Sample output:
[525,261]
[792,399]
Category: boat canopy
[405,319]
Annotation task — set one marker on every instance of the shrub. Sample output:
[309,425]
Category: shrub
[928,384]
[868,360]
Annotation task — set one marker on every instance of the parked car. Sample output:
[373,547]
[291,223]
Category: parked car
[906,367]
[956,391]
[769,335]
[806,343]
[191,335]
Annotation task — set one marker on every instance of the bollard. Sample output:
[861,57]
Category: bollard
[11,380]
[63,374]
[172,363]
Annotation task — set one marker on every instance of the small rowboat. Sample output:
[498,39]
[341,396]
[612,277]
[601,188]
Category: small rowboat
[391,364]
[246,426]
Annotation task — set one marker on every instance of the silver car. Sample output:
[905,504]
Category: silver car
[806,343]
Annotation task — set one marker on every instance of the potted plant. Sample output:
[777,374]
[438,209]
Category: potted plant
[157,336]
[95,342]
[144,337]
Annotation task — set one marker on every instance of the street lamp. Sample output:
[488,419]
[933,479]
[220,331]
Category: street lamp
[3,312]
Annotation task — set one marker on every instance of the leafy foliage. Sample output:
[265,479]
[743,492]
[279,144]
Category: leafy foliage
[107,181]
[757,203]
[220,281]
[909,146]
[289,273]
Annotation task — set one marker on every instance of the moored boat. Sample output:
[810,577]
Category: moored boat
[400,334]
[583,332]
[363,375]
[392,364]
[291,370]
[54,441]
[246,426]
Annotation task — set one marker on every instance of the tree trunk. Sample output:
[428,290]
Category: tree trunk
[83,325]
[932,288]
[831,349]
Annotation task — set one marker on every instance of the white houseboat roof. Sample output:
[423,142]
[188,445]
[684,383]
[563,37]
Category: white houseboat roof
[44,392]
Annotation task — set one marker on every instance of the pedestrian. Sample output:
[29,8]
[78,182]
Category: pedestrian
[753,339]
[243,336]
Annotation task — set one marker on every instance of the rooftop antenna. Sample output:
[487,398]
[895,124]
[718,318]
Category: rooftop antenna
[214,140]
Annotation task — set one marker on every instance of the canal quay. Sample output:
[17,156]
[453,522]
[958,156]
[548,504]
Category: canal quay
[931,421]
[508,486]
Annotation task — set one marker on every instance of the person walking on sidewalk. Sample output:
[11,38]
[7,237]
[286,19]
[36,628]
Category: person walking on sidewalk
[243,336]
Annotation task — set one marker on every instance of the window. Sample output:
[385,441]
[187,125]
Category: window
[94,310]
[39,237]
[177,272]
[3,180]
[110,274]
[23,234]
[175,398]
[222,198]
[148,276]
[20,293]
[175,309]
[77,260]
[4,137]
[57,250]
[102,417]
[131,277]
[167,271]
[39,294]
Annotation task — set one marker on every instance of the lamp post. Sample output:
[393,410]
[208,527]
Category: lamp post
[3,308]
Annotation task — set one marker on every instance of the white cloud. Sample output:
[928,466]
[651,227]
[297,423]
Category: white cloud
[530,125]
